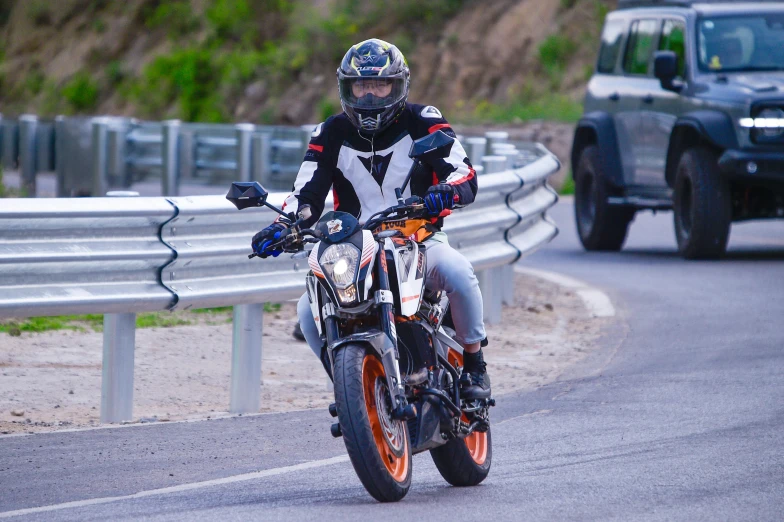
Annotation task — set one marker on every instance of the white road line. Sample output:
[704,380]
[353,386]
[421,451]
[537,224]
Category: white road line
[182,487]
[597,302]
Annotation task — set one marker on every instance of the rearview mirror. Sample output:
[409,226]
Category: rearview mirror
[244,194]
[665,68]
[432,147]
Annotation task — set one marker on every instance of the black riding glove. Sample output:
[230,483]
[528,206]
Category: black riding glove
[261,242]
[439,198]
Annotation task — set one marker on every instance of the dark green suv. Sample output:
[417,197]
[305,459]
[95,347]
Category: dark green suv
[685,111]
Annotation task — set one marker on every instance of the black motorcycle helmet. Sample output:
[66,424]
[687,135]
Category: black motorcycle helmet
[373,81]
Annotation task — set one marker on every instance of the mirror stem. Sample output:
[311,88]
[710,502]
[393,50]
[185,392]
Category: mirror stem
[276,209]
[399,192]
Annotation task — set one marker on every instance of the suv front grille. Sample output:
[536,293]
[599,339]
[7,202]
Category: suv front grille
[768,109]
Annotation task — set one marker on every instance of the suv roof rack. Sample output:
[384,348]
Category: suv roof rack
[628,4]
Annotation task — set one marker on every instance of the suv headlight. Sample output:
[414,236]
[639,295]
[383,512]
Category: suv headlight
[340,264]
[768,124]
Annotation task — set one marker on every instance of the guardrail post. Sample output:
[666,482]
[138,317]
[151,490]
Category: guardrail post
[59,156]
[511,154]
[494,137]
[476,149]
[244,132]
[2,141]
[170,155]
[119,339]
[28,125]
[508,286]
[491,284]
[115,156]
[246,358]
[100,174]
[10,144]
[493,164]
[261,154]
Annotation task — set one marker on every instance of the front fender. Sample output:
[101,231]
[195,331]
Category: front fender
[375,339]
[598,128]
[712,128]
[379,342]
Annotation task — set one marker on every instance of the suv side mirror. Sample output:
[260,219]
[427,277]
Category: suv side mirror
[665,68]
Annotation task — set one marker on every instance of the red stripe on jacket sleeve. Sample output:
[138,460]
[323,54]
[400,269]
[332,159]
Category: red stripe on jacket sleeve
[317,148]
[470,175]
[437,127]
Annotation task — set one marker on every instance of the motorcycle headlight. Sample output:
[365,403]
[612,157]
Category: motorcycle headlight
[340,264]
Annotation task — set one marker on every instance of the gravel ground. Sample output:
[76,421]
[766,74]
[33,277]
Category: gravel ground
[52,380]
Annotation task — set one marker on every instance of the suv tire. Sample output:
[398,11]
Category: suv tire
[600,225]
[702,205]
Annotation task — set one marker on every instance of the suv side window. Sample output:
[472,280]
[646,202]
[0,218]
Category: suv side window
[640,47]
[611,46]
[673,38]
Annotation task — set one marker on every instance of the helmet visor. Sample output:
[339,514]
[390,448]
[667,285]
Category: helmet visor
[372,92]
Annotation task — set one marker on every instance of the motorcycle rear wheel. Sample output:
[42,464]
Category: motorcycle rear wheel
[377,445]
[464,462]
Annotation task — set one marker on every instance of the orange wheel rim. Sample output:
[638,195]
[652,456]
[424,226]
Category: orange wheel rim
[393,454]
[476,443]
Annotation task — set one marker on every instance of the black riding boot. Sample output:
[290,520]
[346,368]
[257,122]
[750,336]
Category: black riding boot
[478,386]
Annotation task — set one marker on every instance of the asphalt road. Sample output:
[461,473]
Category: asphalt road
[679,415]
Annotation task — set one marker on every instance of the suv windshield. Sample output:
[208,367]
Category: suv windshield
[742,43]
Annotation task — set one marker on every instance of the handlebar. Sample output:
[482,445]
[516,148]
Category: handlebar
[293,239]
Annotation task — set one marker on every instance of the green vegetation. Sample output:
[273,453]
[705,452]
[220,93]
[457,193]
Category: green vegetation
[159,319]
[568,186]
[176,16]
[39,11]
[552,106]
[554,53]
[81,92]
[94,322]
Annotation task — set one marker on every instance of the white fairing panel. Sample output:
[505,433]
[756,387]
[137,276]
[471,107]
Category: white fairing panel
[368,258]
[409,265]
[311,285]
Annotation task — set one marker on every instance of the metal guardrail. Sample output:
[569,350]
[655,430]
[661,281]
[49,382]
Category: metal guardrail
[119,256]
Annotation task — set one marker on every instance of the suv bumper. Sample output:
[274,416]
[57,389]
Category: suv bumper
[751,165]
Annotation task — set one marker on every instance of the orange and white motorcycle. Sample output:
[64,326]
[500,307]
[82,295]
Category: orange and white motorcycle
[396,369]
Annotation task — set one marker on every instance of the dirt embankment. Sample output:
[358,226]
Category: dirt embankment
[485,52]
[52,380]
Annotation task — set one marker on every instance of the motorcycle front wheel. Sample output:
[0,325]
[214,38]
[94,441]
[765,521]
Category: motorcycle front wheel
[377,445]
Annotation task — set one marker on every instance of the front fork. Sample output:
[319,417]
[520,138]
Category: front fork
[390,354]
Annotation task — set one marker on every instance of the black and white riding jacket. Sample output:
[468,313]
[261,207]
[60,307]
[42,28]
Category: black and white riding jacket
[364,171]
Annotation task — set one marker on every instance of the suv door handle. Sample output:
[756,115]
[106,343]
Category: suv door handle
[614,96]
[648,99]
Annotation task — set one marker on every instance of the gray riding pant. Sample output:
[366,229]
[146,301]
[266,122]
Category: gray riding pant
[447,270]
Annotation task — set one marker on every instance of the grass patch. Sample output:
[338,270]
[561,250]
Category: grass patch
[159,319]
[554,53]
[86,322]
[555,107]
[567,189]
[94,322]
[176,16]
[81,92]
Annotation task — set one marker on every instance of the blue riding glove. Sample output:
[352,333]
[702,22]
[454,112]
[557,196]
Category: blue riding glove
[439,198]
[263,240]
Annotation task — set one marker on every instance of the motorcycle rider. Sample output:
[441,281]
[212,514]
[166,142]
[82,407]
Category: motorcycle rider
[362,154]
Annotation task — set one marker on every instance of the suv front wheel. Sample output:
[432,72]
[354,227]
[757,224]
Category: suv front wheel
[600,225]
[702,206]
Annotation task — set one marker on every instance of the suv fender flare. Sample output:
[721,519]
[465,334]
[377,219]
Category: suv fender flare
[599,128]
[711,128]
